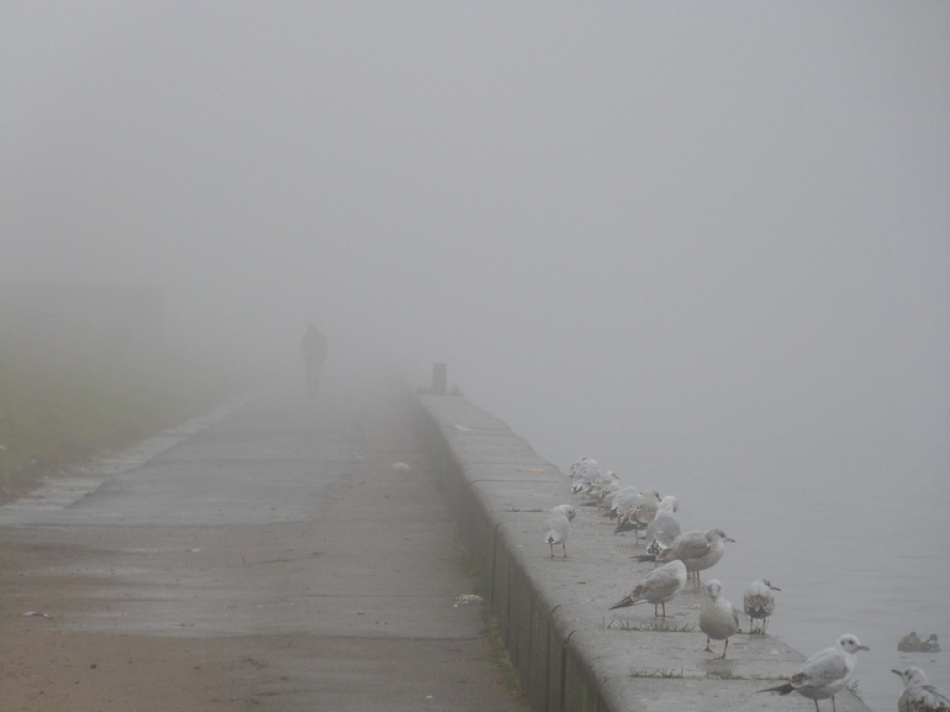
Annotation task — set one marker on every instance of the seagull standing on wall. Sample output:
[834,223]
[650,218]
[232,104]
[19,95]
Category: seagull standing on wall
[661,533]
[659,587]
[664,528]
[919,695]
[583,473]
[557,527]
[620,499]
[759,601]
[825,673]
[638,513]
[717,618]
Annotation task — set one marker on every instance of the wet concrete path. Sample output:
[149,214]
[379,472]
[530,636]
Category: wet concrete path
[273,560]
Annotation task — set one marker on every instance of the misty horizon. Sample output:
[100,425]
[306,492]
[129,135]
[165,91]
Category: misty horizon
[717,222]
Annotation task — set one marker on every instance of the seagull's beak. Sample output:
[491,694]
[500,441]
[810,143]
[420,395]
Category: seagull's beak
[864,647]
[774,588]
[729,538]
[897,672]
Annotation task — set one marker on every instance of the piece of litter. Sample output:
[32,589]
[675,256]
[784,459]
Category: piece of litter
[467,599]
[400,467]
[36,614]
[461,428]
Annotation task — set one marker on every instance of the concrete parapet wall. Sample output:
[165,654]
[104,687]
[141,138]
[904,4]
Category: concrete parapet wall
[572,654]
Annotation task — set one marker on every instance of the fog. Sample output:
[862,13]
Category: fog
[616,222]
[651,233]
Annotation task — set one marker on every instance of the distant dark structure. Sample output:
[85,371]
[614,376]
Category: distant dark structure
[104,322]
[440,372]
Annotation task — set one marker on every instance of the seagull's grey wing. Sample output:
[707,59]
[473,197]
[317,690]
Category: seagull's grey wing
[923,698]
[661,583]
[693,545]
[667,529]
[825,667]
[624,497]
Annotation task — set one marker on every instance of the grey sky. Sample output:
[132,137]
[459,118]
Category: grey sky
[684,217]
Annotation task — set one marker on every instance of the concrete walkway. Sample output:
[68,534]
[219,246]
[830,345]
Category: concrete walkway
[273,560]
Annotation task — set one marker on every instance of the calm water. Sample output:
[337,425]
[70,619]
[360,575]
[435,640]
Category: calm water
[859,548]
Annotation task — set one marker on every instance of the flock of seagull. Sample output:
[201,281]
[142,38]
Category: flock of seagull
[681,556]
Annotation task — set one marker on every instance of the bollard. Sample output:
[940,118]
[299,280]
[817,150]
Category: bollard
[439,378]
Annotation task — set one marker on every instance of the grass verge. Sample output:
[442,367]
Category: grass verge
[53,416]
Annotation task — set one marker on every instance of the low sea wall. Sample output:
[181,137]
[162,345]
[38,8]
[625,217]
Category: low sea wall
[571,653]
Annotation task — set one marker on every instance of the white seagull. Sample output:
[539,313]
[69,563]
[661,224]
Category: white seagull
[717,618]
[919,695]
[583,473]
[661,532]
[658,587]
[603,485]
[759,602]
[664,528]
[825,673]
[557,526]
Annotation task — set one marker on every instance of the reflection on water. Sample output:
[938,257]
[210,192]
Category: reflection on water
[860,549]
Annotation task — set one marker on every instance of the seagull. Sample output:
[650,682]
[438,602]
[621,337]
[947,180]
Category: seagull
[604,484]
[638,513]
[759,601]
[824,673]
[621,498]
[669,504]
[699,550]
[919,695]
[602,489]
[658,587]
[583,473]
[661,532]
[557,526]
[664,528]
[566,509]
[717,618]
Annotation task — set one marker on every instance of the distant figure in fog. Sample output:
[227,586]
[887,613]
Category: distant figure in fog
[314,347]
